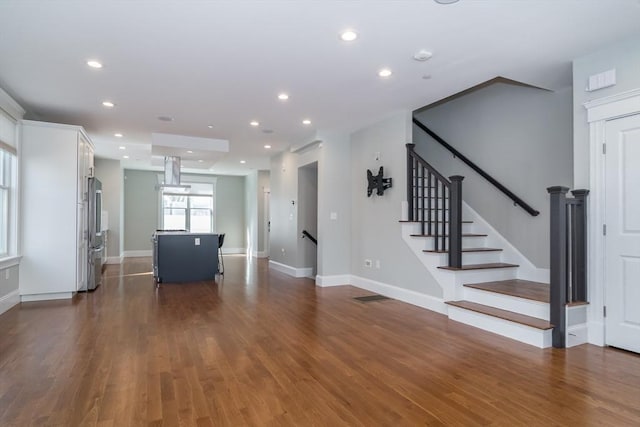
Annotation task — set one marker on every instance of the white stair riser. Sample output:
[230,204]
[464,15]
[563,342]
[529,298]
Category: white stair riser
[468,257]
[483,275]
[466,228]
[526,334]
[507,302]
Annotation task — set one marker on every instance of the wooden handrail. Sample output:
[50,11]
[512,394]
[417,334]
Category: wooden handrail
[517,200]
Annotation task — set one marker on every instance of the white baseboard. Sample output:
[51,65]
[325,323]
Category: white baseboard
[405,295]
[291,271]
[576,335]
[226,251]
[335,280]
[9,300]
[261,254]
[135,254]
[595,333]
[114,260]
[46,297]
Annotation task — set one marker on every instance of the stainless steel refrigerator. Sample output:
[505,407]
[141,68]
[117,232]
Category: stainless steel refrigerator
[96,243]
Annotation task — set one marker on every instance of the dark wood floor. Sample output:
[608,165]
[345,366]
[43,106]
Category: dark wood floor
[260,348]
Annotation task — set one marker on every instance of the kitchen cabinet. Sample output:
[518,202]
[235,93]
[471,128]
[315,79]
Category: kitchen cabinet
[55,164]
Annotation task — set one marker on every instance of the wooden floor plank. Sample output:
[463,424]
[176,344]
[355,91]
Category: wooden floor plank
[258,347]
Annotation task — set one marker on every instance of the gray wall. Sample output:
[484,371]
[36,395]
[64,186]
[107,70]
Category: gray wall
[308,213]
[624,56]
[110,174]
[141,208]
[284,219]
[375,227]
[522,137]
[251,212]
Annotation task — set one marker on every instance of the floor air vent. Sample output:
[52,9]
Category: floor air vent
[370,298]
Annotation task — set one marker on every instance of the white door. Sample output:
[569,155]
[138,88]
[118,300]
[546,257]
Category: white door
[622,240]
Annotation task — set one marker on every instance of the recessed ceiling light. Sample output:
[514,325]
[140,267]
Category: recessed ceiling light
[267,146]
[446,1]
[165,118]
[348,36]
[125,157]
[283,97]
[190,151]
[118,135]
[94,64]
[108,104]
[385,72]
[267,131]
[243,161]
[254,123]
[210,126]
[200,161]
[306,122]
[122,147]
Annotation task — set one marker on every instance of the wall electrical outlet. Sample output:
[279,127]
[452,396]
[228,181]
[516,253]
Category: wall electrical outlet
[378,264]
[197,241]
[7,274]
[368,263]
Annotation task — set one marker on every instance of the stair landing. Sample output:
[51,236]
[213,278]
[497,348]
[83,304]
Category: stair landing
[526,289]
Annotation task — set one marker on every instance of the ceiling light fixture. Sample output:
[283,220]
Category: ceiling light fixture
[255,123]
[108,104]
[94,64]
[348,36]
[446,1]
[283,97]
[422,55]
[267,146]
[243,161]
[122,147]
[306,122]
[190,151]
[385,72]
[125,157]
[200,161]
[165,118]
[118,135]
[210,126]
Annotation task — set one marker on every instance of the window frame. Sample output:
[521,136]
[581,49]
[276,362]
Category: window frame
[189,180]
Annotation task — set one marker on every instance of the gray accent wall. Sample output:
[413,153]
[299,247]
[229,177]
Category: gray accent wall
[624,56]
[519,135]
[109,172]
[375,227]
[141,208]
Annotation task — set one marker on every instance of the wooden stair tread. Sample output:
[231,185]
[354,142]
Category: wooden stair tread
[465,250]
[479,266]
[533,322]
[463,235]
[526,289]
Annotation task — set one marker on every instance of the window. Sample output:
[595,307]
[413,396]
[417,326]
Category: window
[7,180]
[189,209]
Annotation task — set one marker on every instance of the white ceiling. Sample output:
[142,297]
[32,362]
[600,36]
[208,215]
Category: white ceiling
[223,63]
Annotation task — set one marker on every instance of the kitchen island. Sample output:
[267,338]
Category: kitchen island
[181,256]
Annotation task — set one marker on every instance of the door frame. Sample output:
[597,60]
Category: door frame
[599,112]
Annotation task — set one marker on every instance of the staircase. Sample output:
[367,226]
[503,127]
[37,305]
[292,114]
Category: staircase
[487,283]
[487,290]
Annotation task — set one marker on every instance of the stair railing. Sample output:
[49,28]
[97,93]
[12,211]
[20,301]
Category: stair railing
[568,252]
[516,200]
[435,202]
[305,233]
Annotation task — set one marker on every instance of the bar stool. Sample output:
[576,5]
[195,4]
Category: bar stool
[220,259]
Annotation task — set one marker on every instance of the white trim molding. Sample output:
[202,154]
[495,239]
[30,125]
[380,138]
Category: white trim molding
[291,271]
[114,260]
[405,295]
[9,300]
[599,111]
[9,262]
[259,254]
[46,297]
[136,254]
[335,280]
[230,251]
